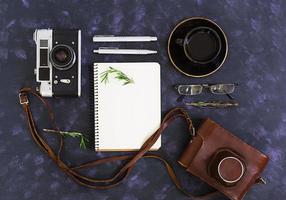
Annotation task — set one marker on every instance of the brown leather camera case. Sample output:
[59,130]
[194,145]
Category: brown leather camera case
[217,157]
[211,143]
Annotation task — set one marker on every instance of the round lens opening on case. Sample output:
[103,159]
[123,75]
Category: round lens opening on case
[62,57]
[226,169]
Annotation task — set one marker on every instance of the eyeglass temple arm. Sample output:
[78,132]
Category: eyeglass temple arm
[229,96]
[210,84]
[176,86]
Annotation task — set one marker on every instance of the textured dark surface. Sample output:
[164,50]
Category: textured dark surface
[256,33]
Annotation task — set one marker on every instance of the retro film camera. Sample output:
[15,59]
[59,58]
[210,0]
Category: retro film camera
[223,160]
[58,66]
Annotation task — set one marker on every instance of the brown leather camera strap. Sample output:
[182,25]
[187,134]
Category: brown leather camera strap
[130,160]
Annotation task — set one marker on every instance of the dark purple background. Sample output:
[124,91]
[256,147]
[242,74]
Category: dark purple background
[257,55]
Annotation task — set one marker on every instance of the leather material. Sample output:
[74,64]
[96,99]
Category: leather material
[227,167]
[130,160]
[209,146]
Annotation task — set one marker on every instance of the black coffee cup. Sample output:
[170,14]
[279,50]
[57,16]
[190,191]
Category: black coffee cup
[197,47]
[201,45]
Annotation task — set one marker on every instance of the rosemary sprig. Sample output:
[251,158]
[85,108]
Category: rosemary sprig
[104,76]
[214,104]
[73,134]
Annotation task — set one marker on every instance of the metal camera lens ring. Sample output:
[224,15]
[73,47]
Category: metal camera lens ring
[62,57]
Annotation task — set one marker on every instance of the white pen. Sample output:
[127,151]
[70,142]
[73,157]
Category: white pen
[113,38]
[111,50]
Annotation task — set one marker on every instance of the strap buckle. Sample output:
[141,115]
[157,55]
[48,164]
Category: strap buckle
[23,98]
[192,131]
[261,180]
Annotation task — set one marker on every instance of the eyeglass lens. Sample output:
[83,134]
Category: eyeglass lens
[222,88]
[190,89]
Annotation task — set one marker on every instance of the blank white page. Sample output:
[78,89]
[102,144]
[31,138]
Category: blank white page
[127,114]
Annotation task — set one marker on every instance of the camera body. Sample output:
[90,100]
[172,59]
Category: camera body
[58,62]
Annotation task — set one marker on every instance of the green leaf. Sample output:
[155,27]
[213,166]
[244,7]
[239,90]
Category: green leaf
[72,134]
[117,75]
[82,144]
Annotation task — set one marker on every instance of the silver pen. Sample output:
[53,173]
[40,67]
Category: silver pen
[112,50]
[113,38]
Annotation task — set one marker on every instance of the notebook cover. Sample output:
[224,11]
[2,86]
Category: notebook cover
[126,115]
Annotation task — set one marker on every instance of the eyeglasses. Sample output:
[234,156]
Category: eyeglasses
[225,89]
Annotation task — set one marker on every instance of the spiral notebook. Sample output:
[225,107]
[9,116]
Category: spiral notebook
[126,114]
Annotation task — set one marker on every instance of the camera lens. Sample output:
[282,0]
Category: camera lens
[62,57]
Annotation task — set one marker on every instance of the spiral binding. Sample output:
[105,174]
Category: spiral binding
[96,118]
[91,107]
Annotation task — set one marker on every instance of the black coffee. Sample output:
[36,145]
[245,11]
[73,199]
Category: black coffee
[202,45]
